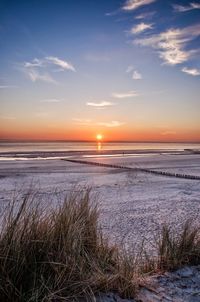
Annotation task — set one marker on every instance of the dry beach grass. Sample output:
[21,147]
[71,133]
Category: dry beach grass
[175,250]
[61,254]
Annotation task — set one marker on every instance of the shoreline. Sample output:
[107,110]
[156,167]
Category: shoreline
[91,153]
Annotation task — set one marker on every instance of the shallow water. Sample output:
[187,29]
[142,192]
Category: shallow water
[58,149]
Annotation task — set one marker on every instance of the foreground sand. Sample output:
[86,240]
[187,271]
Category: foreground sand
[182,285]
[132,205]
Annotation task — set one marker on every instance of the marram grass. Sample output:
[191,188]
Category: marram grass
[62,255]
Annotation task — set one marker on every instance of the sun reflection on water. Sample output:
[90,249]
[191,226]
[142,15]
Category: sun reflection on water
[99,146]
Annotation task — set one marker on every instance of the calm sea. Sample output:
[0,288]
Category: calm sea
[58,146]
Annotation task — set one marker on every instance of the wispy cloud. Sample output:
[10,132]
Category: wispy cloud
[51,101]
[146,15]
[111,124]
[100,104]
[89,122]
[50,60]
[171,44]
[40,69]
[113,13]
[129,68]
[122,95]
[136,75]
[61,63]
[191,71]
[134,4]
[168,132]
[184,8]
[35,63]
[82,122]
[36,75]
[137,29]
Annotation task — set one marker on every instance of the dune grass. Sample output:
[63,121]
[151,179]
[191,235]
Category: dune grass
[61,254]
[174,249]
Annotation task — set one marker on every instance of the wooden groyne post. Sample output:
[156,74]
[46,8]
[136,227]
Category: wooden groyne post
[150,171]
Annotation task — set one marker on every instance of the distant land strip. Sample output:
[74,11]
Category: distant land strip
[162,173]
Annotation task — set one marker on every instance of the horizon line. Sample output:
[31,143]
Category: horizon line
[103,141]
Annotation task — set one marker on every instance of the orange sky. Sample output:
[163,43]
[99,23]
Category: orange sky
[11,130]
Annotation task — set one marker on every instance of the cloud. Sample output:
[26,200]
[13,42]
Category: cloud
[82,122]
[34,68]
[51,101]
[129,68]
[112,13]
[181,8]
[136,75]
[35,75]
[88,122]
[134,4]
[168,132]
[100,104]
[61,63]
[35,63]
[171,44]
[124,94]
[141,27]
[111,124]
[191,71]
[44,62]
[145,15]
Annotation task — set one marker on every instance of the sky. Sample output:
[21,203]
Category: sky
[129,70]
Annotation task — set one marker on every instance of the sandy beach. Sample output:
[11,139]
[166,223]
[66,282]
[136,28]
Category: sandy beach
[133,205]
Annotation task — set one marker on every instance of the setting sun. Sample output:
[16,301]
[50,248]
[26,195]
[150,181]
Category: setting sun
[99,137]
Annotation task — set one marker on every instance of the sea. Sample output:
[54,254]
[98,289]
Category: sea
[56,149]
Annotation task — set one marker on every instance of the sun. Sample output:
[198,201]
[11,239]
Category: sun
[99,137]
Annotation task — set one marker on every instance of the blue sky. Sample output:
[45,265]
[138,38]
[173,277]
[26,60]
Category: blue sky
[126,69]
